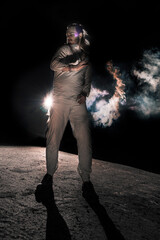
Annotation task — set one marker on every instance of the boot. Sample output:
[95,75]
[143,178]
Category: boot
[44,192]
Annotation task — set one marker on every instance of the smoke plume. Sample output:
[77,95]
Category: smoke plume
[103,111]
[147,98]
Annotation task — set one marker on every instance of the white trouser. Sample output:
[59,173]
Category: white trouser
[62,111]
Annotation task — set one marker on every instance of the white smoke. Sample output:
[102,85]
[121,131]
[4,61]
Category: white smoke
[105,111]
[146,100]
[95,94]
[147,97]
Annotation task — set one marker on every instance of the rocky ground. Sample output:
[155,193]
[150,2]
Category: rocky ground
[129,200]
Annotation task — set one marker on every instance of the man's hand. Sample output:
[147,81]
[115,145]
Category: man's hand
[81,65]
[75,68]
[66,69]
[81,99]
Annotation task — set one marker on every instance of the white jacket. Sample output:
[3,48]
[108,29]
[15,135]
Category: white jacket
[68,85]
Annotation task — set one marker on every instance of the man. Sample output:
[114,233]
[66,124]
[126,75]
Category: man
[71,86]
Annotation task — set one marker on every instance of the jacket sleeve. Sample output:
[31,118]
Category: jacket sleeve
[87,84]
[58,60]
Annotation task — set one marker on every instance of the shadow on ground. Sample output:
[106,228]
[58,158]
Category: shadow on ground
[110,229]
[56,227]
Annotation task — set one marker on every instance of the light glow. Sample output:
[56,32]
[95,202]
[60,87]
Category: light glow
[76,34]
[48,101]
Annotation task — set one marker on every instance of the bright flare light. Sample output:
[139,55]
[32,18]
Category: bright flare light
[48,101]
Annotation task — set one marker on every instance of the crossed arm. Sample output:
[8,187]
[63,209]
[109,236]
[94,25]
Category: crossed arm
[58,65]
[75,68]
[80,98]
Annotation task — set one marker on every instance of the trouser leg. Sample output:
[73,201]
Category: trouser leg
[56,126]
[80,125]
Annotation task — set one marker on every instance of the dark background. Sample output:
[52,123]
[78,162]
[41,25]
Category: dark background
[31,31]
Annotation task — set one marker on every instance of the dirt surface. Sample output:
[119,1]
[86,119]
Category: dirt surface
[129,198]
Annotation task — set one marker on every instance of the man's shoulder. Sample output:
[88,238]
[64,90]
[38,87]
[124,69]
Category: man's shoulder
[64,48]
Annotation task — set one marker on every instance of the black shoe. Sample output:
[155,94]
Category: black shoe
[44,192]
[47,179]
[89,193]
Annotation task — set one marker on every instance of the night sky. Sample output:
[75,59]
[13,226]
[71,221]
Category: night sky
[31,32]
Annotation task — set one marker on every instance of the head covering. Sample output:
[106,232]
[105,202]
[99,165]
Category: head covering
[84,40]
